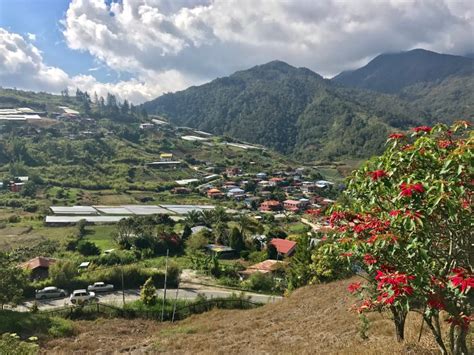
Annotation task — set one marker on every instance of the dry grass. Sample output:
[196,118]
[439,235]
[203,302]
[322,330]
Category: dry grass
[314,320]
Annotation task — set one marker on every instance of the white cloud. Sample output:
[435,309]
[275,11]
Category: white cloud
[204,39]
[22,66]
[31,36]
[167,45]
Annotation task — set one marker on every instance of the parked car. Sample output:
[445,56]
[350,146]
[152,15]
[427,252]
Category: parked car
[82,296]
[100,287]
[50,292]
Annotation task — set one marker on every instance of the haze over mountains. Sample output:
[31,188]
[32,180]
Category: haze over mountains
[296,111]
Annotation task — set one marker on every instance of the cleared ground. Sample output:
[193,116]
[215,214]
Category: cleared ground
[314,320]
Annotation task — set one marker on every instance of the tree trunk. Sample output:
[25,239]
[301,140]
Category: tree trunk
[436,332]
[399,317]
[459,345]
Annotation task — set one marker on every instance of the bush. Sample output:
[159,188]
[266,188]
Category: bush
[117,257]
[148,293]
[62,273]
[14,218]
[61,327]
[87,248]
[258,256]
[259,282]
[11,344]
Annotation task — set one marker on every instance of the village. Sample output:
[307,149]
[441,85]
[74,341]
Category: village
[231,225]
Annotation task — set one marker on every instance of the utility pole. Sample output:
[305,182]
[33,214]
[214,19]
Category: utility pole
[175,301]
[123,286]
[164,287]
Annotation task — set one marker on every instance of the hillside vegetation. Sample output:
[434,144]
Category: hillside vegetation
[391,73]
[315,319]
[296,111]
[292,110]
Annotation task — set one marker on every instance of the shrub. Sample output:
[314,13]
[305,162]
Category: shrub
[11,344]
[14,218]
[258,256]
[62,273]
[87,248]
[61,327]
[259,282]
[148,293]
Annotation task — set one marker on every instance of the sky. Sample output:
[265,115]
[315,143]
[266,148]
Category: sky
[140,49]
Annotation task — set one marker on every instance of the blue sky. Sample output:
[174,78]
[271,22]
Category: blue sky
[42,18]
[141,49]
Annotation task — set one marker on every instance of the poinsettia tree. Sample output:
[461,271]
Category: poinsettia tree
[406,224]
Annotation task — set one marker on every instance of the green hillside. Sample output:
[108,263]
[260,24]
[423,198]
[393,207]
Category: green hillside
[293,110]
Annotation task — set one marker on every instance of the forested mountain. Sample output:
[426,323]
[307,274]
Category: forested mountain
[296,111]
[391,73]
[292,110]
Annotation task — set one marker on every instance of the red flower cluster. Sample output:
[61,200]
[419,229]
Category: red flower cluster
[366,305]
[369,259]
[336,217]
[422,129]
[371,224]
[462,279]
[436,301]
[377,174]
[465,203]
[409,189]
[444,144]
[393,285]
[353,287]
[395,213]
[413,215]
[396,136]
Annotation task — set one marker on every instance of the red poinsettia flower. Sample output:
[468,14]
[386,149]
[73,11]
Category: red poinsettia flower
[436,302]
[425,129]
[377,174]
[408,189]
[396,136]
[395,213]
[465,203]
[366,305]
[444,144]
[353,287]
[369,259]
[462,279]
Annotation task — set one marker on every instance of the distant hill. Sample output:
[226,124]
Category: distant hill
[391,73]
[292,110]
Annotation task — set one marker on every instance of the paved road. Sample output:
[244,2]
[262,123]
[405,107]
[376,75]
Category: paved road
[188,292]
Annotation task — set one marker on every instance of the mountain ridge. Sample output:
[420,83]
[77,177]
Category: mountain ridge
[392,72]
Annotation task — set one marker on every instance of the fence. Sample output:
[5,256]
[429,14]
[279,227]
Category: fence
[102,309]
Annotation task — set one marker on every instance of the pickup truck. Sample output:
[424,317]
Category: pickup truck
[82,296]
[100,287]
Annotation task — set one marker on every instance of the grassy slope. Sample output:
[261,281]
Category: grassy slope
[314,319]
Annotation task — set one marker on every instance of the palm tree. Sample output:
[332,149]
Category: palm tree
[192,218]
[248,226]
[207,217]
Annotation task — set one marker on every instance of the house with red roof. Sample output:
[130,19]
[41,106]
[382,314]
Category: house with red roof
[270,205]
[215,193]
[284,247]
[292,205]
[38,266]
[265,267]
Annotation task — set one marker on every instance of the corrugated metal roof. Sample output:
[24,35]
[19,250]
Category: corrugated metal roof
[74,210]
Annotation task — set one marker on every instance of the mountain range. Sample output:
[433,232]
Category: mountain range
[298,112]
